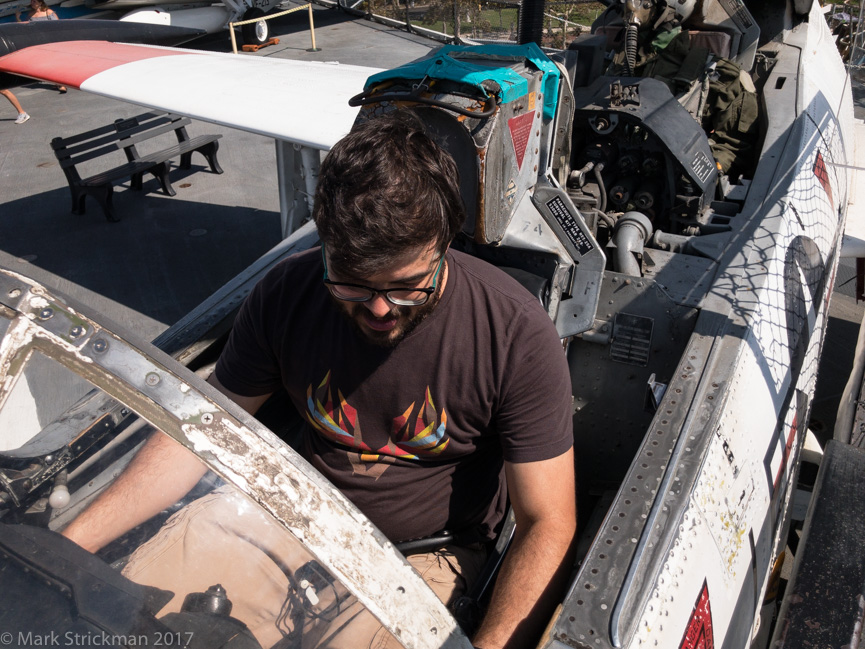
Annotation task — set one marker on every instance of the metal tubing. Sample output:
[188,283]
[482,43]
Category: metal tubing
[632,231]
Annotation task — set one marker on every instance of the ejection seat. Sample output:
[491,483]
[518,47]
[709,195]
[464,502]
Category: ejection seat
[455,139]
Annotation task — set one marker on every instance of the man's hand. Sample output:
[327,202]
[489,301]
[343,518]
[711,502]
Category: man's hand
[534,575]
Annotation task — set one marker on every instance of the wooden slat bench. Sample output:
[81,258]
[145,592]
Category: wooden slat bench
[125,134]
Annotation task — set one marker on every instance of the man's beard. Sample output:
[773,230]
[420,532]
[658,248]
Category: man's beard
[408,319]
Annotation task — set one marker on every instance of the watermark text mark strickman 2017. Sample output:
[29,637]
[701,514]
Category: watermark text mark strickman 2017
[95,639]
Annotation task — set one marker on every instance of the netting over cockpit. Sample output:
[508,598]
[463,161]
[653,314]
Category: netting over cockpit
[796,246]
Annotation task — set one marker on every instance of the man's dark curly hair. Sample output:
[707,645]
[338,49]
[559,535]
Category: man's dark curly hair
[384,189]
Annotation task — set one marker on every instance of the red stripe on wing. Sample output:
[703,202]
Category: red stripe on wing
[73,62]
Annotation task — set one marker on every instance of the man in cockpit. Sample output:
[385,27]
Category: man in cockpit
[432,386]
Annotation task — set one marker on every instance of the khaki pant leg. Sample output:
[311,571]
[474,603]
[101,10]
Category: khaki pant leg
[222,538]
[449,572]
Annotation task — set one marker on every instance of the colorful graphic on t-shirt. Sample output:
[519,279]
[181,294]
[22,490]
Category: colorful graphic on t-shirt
[423,437]
[337,423]
[427,440]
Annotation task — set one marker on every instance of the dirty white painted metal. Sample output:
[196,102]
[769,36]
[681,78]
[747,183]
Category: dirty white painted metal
[854,233]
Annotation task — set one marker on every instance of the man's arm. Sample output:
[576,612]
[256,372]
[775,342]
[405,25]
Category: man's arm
[534,575]
[159,475]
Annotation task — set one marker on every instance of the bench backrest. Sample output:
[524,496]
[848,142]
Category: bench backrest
[134,130]
[120,135]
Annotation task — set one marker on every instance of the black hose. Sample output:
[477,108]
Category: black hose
[368,97]
[631,47]
[531,22]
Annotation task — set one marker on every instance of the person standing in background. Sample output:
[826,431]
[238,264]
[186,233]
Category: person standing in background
[22,116]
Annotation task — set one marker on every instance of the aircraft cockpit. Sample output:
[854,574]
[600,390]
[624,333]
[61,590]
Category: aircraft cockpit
[610,181]
[261,552]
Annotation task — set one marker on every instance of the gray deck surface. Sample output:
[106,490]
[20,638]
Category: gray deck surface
[167,254]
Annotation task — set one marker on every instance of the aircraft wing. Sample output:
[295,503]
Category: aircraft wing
[303,102]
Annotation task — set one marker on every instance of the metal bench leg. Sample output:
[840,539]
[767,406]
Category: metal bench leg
[137,180]
[160,172]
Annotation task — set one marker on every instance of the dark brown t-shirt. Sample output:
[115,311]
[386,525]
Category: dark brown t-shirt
[413,435]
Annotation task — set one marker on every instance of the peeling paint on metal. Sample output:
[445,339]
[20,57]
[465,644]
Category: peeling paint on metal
[327,524]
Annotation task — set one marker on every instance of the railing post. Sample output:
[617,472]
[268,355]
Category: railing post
[233,39]
[312,31]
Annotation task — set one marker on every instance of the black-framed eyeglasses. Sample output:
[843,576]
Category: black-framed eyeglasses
[399,296]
